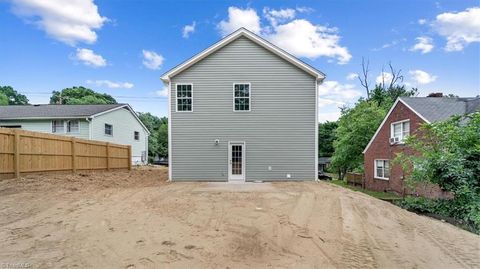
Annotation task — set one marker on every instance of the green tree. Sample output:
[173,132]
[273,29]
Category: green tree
[387,96]
[3,99]
[80,96]
[158,139]
[326,136]
[448,156]
[13,97]
[355,128]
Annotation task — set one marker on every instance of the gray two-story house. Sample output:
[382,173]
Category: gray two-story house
[243,110]
[115,123]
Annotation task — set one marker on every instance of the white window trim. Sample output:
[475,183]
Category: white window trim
[109,135]
[402,138]
[64,126]
[375,169]
[138,140]
[249,96]
[176,98]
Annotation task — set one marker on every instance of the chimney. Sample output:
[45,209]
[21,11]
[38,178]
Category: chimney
[435,94]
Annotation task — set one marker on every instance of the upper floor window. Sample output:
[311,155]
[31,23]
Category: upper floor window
[136,135]
[399,131]
[241,97]
[184,97]
[108,129]
[382,169]
[73,126]
[57,126]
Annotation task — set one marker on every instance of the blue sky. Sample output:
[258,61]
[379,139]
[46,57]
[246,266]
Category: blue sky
[122,47]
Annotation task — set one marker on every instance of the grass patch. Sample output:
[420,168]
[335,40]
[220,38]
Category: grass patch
[377,194]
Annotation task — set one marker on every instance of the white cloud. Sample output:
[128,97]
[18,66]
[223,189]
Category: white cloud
[304,39]
[352,76]
[384,77]
[334,93]
[424,44]
[188,29]
[299,37]
[111,84]
[460,29]
[328,116]
[278,15]
[237,18]
[422,77]
[163,92]
[152,60]
[422,21]
[68,21]
[304,9]
[89,58]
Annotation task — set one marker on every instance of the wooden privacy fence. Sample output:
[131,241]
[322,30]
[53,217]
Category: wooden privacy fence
[32,152]
[355,179]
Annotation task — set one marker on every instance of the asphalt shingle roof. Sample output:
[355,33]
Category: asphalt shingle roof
[54,111]
[441,108]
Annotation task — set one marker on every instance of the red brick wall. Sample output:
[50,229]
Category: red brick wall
[381,149]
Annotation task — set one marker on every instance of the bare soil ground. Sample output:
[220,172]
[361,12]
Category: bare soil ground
[137,220]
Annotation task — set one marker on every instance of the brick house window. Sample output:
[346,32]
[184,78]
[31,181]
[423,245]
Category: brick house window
[382,169]
[399,131]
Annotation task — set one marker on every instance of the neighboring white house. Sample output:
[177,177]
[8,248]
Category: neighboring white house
[243,110]
[116,123]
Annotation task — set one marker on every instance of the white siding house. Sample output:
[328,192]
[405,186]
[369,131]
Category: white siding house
[116,123]
[243,110]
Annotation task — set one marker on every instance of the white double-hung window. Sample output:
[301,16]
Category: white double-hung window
[241,97]
[382,169]
[399,131]
[65,126]
[184,97]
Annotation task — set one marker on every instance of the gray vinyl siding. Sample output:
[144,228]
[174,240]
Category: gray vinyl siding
[279,131]
[45,126]
[124,124]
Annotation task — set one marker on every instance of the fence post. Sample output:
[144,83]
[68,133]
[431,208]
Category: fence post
[108,156]
[129,160]
[74,153]
[16,151]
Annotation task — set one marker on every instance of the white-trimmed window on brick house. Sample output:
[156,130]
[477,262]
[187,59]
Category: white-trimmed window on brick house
[399,131]
[241,97]
[382,169]
[184,97]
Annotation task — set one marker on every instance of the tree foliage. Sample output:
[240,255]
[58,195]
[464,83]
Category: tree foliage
[80,96]
[3,99]
[326,135]
[13,97]
[449,156]
[158,139]
[355,128]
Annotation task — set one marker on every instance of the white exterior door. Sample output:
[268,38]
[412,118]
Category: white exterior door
[236,161]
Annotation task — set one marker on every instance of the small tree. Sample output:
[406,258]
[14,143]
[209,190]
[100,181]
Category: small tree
[80,96]
[449,156]
[326,136]
[355,128]
[13,97]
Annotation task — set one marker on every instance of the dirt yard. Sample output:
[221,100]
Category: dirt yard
[137,220]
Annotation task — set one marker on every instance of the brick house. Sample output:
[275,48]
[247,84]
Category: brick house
[404,118]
